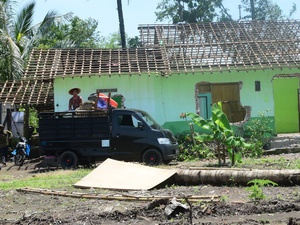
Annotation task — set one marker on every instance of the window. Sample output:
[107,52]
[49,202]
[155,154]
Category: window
[127,121]
[257,85]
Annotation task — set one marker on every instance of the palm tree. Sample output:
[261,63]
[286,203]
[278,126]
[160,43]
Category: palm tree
[18,36]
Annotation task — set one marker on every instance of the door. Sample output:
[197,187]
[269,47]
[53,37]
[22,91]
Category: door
[205,105]
[286,106]
[229,95]
[128,139]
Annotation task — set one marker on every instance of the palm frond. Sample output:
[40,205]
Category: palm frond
[11,63]
[17,62]
[24,22]
[41,29]
[18,35]
[50,18]
[7,14]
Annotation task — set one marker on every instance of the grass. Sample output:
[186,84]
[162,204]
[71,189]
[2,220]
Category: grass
[269,163]
[64,179]
[60,179]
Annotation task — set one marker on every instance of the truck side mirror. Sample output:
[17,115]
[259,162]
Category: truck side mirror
[140,125]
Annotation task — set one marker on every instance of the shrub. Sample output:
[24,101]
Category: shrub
[33,117]
[259,132]
[190,151]
[256,191]
[221,133]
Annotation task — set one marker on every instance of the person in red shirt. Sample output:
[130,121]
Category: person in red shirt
[76,101]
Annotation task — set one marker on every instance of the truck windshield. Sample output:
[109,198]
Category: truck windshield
[149,120]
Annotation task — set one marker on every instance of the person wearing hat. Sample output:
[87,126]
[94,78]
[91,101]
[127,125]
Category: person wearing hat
[102,101]
[5,136]
[76,101]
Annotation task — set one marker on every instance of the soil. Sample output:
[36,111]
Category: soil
[230,205]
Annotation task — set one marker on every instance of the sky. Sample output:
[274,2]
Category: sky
[135,13]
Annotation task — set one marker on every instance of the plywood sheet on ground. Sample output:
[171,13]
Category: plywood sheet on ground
[118,175]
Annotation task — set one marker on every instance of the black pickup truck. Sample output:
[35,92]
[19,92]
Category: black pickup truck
[84,137]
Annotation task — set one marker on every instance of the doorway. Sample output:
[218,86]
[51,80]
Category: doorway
[227,93]
[205,105]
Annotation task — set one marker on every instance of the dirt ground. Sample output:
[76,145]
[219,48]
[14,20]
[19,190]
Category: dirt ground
[230,205]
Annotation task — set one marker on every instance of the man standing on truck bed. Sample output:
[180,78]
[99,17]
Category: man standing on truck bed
[76,101]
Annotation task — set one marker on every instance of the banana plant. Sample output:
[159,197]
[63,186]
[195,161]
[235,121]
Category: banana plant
[220,132]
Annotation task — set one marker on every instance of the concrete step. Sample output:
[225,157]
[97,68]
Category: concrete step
[285,140]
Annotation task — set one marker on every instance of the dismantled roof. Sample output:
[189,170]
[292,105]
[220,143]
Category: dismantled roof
[52,63]
[226,45]
[26,92]
[176,49]
[181,48]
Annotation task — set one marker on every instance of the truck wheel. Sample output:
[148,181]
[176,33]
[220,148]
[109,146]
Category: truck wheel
[152,157]
[68,160]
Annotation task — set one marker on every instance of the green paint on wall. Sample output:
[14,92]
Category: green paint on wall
[182,127]
[286,105]
[166,98]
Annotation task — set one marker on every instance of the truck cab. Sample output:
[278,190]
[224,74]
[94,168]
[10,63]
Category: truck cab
[136,135]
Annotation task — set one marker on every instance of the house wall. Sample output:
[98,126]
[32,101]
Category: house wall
[165,98]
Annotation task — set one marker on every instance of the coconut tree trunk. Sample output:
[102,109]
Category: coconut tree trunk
[236,176]
[121,23]
[253,16]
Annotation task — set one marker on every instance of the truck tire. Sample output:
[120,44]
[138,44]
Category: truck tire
[152,157]
[68,160]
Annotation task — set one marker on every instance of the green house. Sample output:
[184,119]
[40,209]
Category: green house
[180,68]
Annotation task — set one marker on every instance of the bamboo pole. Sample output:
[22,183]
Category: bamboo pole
[120,197]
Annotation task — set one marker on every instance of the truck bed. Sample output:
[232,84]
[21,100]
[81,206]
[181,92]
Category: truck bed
[73,125]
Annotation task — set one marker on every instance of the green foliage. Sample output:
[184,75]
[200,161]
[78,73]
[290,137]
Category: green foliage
[76,33]
[256,188]
[259,132]
[134,42]
[220,132]
[224,198]
[19,35]
[33,116]
[265,10]
[191,11]
[112,41]
[190,151]
[269,163]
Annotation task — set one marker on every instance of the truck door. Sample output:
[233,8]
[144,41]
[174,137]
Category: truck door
[129,138]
